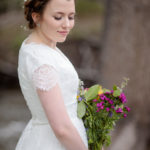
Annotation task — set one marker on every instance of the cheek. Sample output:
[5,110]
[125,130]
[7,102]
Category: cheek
[72,24]
[51,24]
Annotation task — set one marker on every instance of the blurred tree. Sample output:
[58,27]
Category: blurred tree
[125,52]
[3,6]
[6,5]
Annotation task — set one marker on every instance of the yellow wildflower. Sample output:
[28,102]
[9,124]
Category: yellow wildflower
[78,96]
[100,91]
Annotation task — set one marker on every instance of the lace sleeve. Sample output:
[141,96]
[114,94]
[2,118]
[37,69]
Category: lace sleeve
[45,77]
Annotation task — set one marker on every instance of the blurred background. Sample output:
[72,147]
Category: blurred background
[111,40]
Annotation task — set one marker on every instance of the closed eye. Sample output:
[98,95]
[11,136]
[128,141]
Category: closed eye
[71,18]
[57,18]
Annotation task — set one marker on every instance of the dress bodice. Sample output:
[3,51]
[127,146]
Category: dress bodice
[32,56]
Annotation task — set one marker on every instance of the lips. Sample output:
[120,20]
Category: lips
[63,32]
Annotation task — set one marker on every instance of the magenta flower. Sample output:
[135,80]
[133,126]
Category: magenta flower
[107,92]
[107,109]
[107,99]
[102,107]
[124,115]
[94,100]
[100,104]
[112,107]
[111,91]
[102,97]
[119,110]
[98,110]
[127,108]
[123,98]
[111,101]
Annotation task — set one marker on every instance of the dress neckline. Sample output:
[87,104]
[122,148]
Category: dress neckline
[57,50]
[34,43]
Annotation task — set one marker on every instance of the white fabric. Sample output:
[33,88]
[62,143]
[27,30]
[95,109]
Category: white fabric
[40,66]
[45,77]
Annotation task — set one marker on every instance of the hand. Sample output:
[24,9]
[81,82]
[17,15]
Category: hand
[101,149]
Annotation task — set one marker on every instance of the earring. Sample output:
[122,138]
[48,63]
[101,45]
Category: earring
[38,24]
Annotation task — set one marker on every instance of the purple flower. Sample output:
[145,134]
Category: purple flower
[123,98]
[80,99]
[119,110]
[110,114]
[107,109]
[127,108]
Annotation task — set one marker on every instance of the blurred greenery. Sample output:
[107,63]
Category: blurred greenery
[83,7]
[89,7]
[7,5]
[16,42]
[89,22]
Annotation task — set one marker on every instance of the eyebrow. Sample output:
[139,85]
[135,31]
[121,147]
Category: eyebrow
[72,13]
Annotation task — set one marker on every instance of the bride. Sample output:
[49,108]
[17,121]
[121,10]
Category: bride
[48,80]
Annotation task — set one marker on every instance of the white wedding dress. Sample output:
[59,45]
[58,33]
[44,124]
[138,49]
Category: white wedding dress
[40,66]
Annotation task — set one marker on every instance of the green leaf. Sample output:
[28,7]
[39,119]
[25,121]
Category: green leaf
[108,140]
[106,90]
[92,92]
[81,109]
[116,93]
[90,141]
[121,106]
[114,123]
[115,88]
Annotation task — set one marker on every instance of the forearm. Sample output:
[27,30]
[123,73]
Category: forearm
[71,139]
[62,126]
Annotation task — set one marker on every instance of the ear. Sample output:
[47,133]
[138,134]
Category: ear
[36,17]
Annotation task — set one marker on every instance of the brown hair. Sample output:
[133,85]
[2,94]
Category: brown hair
[31,6]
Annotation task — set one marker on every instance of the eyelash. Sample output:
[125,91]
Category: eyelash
[59,18]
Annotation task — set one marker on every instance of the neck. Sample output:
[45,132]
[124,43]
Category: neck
[41,38]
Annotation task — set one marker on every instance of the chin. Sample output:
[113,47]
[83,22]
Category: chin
[61,40]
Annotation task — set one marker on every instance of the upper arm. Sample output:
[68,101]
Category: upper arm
[54,107]
[45,80]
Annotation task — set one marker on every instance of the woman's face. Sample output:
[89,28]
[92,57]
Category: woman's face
[57,19]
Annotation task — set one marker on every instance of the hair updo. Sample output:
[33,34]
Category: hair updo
[31,6]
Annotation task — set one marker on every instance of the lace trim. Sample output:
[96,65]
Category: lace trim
[45,77]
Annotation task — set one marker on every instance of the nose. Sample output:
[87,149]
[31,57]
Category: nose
[66,23]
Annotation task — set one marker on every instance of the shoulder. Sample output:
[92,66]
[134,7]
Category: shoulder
[33,56]
[36,50]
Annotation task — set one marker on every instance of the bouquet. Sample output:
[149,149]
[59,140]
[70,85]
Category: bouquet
[100,109]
